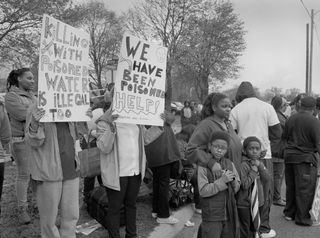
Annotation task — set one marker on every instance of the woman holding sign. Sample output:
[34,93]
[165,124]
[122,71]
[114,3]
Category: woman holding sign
[20,84]
[123,164]
[55,169]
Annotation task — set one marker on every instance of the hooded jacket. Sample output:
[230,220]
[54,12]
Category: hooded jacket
[17,102]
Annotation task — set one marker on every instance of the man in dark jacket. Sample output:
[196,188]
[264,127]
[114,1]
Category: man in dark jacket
[302,136]
[253,117]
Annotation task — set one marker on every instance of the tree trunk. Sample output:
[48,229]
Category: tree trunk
[168,84]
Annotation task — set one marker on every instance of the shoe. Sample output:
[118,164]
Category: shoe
[316,223]
[280,203]
[270,234]
[154,215]
[169,220]
[287,218]
[198,211]
[23,216]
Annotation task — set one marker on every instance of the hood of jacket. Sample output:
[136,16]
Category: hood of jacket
[244,91]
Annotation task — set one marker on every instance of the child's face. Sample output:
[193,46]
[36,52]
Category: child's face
[253,150]
[218,148]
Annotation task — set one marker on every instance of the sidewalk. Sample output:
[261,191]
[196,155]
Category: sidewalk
[184,214]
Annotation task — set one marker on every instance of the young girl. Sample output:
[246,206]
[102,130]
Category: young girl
[218,183]
[250,198]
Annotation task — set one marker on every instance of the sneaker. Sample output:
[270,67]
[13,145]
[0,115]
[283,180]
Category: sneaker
[287,218]
[169,220]
[280,203]
[198,211]
[23,216]
[316,223]
[270,234]
[154,215]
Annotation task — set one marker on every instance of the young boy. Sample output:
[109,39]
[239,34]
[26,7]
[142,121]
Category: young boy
[218,184]
[254,178]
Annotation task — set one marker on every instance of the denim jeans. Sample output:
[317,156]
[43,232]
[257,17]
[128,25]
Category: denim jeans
[22,157]
[54,195]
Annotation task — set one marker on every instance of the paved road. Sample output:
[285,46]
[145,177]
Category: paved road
[284,229]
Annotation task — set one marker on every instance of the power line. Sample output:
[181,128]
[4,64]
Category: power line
[304,6]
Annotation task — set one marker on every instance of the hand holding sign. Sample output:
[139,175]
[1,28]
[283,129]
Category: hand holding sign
[37,114]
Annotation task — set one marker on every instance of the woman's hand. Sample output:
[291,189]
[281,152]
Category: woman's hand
[167,117]
[89,113]
[37,114]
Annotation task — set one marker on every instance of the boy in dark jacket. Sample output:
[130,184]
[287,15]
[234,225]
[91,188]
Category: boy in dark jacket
[218,183]
[251,196]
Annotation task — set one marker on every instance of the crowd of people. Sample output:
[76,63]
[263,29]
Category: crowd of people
[241,153]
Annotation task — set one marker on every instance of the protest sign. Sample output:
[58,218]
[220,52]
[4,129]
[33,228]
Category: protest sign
[63,81]
[140,82]
[315,210]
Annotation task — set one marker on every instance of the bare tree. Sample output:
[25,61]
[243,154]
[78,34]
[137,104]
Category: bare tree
[20,22]
[105,30]
[213,45]
[163,21]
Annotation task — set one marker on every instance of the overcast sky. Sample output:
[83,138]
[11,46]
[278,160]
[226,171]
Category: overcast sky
[276,41]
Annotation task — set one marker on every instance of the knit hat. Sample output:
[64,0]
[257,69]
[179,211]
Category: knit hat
[308,103]
[245,90]
[248,140]
[220,135]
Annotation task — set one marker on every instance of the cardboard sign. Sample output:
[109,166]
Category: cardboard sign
[315,210]
[63,84]
[140,82]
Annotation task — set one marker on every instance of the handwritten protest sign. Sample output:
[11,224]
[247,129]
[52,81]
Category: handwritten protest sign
[315,210]
[63,85]
[140,82]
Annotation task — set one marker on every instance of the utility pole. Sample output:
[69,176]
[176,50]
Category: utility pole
[311,51]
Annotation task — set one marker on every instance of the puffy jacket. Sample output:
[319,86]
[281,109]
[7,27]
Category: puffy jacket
[17,103]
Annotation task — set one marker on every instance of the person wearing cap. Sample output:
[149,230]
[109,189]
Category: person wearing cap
[280,106]
[253,117]
[295,104]
[302,137]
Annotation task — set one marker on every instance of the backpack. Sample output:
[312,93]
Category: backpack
[180,193]
[97,206]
